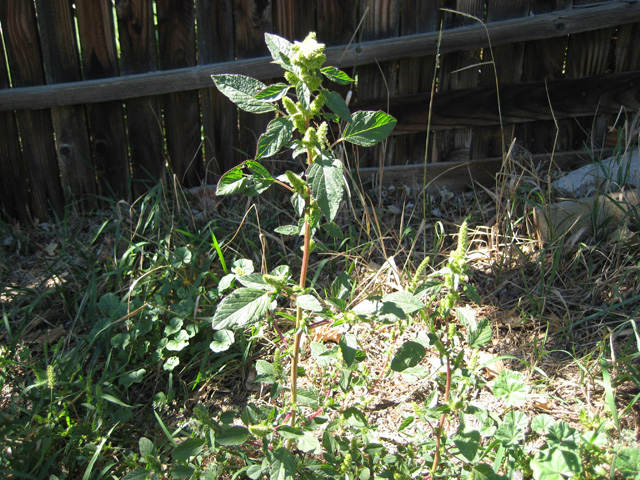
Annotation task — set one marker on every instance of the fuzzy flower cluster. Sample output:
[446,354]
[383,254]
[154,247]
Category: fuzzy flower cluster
[307,57]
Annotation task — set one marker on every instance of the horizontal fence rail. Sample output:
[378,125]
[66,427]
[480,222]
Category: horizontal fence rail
[99,96]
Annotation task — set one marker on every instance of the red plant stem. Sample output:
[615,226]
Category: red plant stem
[443,417]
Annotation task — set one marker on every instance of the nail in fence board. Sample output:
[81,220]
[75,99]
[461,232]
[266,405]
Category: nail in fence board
[144,114]
[177,45]
[20,33]
[106,119]
[219,115]
[61,64]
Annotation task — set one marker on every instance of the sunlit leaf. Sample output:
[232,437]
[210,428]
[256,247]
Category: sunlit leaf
[336,75]
[222,340]
[369,128]
[408,355]
[278,134]
[242,90]
[240,308]
[327,185]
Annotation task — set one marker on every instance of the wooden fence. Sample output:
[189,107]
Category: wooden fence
[99,96]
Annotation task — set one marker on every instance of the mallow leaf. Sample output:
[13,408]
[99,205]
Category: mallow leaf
[369,128]
[241,307]
[242,90]
[327,186]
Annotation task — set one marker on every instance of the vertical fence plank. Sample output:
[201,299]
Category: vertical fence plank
[293,19]
[106,120]
[62,64]
[14,189]
[144,115]
[416,75]
[252,18]
[628,48]
[543,60]
[219,115]
[176,34]
[377,82]
[587,54]
[20,32]
[507,60]
[337,21]
[458,70]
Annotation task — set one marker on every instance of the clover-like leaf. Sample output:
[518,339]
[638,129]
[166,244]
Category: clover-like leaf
[222,340]
[510,386]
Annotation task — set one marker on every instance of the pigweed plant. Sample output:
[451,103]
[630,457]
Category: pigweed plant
[326,425]
[316,193]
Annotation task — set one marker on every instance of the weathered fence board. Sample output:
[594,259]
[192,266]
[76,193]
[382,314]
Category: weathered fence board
[144,115]
[219,116]
[106,107]
[177,46]
[106,120]
[61,64]
[20,33]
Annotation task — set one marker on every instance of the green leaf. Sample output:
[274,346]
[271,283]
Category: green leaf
[146,447]
[242,90]
[129,378]
[309,302]
[541,423]
[406,301]
[561,434]
[287,431]
[179,342]
[170,363]
[467,443]
[278,134]
[235,435]
[483,471]
[182,471]
[137,474]
[273,93]
[288,230]
[283,465]
[327,185]
[336,75]
[188,449]
[511,386]
[349,348]
[511,431]
[369,128]
[242,266]
[175,324]
[309,444]
[480,334]
[264,372]
[355,417]
[181,256]
[222,340]
[112,399]
[249,178]
[408,355]
[557,465]
[337,105]
[280,49]
[240,308]
[304,95]
[628,462]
